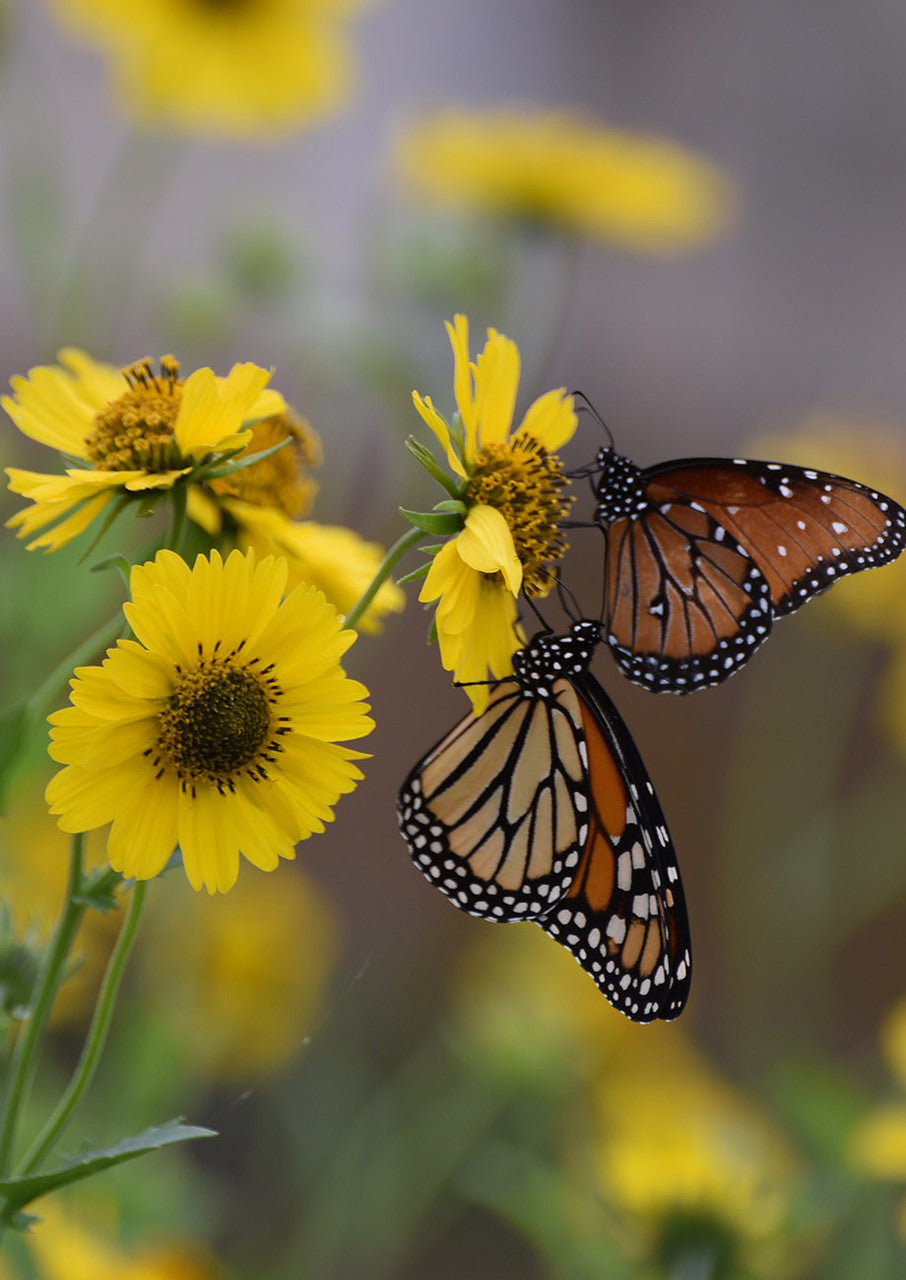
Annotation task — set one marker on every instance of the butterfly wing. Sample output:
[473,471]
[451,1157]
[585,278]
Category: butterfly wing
[496,815]
[624,915]
[685,604]
[803,528]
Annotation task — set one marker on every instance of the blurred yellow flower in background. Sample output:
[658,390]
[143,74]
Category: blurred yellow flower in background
[134,432]
[217,729]
[693,1164]
[64,1249]
[258,508]
[512,493]
[34,868]
[877,1145]
[873,604]
[643,193]
[245,977]
[239,69]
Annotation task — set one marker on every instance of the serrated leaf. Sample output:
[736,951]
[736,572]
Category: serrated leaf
[21,1191]
[98,890]
[437,523]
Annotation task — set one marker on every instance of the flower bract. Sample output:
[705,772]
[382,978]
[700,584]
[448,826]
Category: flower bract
[216,730]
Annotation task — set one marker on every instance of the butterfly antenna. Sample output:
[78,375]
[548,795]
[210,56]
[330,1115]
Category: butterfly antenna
[538,614]
[568,601]
[587,405]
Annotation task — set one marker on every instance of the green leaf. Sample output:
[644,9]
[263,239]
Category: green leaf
[452,504]
[21,1191]
[122,565]
[240,463]
[438,523]
[98,890]
[415,576]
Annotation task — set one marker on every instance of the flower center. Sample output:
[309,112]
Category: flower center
[525,484]
[219,723]
[282,480]
[135,432]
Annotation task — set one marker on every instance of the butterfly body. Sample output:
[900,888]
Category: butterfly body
[703,554]
[541,809]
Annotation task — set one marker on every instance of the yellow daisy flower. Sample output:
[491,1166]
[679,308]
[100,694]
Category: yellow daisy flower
[237,1016]
[877,1144]
[692,1165]
[217,728]
[246,68]
[512,492]
[133,432]
[642,192]
[259,509]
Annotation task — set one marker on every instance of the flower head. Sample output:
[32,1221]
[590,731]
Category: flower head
[631,189]
[258,509]
[133,433]
[217,728]
[238,69]
[511,491]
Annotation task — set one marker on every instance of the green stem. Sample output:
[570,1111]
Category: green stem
[46,985]
[390,561]
[97,1034]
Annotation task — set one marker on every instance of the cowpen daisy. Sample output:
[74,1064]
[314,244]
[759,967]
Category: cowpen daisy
[554,169]
[245,68]
[510,496]
[259,509]
[217,729]
[131,434]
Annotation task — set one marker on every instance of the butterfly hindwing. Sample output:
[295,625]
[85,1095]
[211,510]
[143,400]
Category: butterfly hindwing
[624,917]
[685,603]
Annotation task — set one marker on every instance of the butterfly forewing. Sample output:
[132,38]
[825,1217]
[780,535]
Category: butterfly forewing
[804,528]
[685,604]
[624,916]
[496,815]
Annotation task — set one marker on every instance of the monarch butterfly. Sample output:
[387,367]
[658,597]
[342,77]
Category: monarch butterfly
[704,553]
[541,809]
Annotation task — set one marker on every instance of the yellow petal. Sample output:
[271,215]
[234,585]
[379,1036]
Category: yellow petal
[486,544]
[496,383]
[440,429]
[551,420]
[458,333]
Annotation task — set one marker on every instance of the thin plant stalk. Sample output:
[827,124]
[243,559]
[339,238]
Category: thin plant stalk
[97,1034]
[45,990]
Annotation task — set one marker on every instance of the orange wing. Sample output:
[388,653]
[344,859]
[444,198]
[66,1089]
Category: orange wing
[624,916]
[803,528]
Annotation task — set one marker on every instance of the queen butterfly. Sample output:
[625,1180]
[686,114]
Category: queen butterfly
[703,554]
[541,809]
